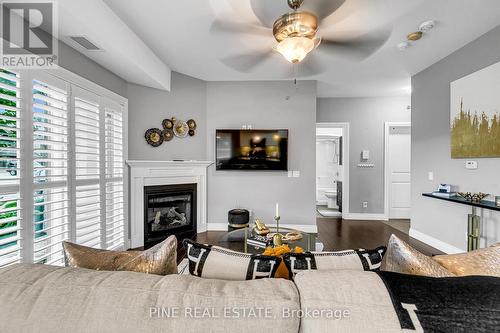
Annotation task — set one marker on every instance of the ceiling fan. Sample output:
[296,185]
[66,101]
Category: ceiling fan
[297,36]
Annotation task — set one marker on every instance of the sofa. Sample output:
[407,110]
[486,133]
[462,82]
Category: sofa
[41,298]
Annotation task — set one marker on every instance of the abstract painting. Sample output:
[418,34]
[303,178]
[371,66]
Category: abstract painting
[475,114]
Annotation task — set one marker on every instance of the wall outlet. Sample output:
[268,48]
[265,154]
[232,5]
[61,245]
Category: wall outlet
[365,204]
[296,174]
[471,165]
[290,174]
[430,175]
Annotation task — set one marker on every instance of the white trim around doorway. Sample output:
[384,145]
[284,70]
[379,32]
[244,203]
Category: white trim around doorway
[386,162]
[345,159]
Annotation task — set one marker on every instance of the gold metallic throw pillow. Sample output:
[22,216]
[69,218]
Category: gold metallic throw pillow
[161,259]
[479,262]
[402,258]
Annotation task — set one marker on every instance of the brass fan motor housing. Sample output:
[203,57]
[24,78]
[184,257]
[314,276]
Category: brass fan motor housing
[295,4]
[295,24]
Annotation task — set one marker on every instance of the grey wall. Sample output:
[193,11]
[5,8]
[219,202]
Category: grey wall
[148,107]
[78,63]
[264,105]
[366,117]
[431,147]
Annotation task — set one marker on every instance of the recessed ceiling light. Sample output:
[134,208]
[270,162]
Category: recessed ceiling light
[427,26]
[403,46]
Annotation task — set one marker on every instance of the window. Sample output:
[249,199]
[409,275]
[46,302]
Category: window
[62,174]
[10,164]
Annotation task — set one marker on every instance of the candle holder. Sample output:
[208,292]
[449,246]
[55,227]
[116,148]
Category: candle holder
[277,238]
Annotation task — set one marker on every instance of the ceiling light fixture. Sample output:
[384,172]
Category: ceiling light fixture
[414,36]
[427,26]
[295,49]
[295,33]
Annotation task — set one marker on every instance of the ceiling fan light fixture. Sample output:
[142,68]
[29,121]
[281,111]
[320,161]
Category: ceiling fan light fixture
[295,49]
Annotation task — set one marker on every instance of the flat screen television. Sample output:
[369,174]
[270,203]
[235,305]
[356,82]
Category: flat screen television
[252,149]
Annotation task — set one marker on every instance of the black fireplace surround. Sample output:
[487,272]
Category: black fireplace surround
[169,210]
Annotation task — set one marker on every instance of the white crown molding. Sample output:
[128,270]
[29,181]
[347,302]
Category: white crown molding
[436,243]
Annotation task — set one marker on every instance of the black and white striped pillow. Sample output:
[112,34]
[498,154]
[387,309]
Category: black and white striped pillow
[360,260]
[214,262]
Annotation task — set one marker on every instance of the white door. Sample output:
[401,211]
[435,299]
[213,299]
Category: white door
[399,155]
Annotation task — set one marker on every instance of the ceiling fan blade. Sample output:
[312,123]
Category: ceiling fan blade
[268,11]
[219,26]
[246,62]
[359,47]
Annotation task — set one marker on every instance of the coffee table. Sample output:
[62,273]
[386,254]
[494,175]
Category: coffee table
[237,241]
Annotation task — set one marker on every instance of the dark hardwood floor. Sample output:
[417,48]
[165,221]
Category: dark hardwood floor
[337,234]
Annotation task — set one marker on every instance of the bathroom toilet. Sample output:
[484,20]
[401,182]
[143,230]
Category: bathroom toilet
[332,199]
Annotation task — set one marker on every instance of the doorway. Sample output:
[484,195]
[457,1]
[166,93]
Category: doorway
[332,172]
[397,199]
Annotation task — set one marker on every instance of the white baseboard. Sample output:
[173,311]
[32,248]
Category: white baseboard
[362,216]
[311,228]
[217,226]
[436,243]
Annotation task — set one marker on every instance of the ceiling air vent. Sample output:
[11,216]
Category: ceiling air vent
[85,43]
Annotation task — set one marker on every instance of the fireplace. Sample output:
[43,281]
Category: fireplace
[169,210]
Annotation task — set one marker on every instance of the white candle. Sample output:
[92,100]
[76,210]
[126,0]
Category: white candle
[277,210]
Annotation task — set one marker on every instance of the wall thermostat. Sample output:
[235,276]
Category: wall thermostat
[365,155]
[472,165]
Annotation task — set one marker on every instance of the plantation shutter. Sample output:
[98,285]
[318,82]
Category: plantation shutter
[87,168]
[114,166]
[62,174]
[10,169]
[51,211]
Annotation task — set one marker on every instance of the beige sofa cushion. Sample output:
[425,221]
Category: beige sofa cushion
[362,294]
[39,298]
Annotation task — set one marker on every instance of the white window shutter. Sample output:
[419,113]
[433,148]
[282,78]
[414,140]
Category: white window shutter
[10,169]
[62,174]
[115,195]
[51,212]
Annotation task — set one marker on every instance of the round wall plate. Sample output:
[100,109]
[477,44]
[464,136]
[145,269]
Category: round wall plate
[167,124]
[168,134]
[192,124]
[181,129]
[154,137]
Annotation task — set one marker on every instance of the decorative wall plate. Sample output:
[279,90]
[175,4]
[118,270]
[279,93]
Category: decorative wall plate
[168,134]
[167,124]
[192,124]
[154,137]
[181,129]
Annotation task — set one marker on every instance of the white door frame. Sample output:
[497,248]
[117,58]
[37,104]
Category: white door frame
[386,161]
[345,160]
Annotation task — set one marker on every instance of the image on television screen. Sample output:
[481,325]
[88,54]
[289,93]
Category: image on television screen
[252,150]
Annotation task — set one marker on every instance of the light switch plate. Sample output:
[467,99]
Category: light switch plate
[296,174]
[471,165]
[290,174]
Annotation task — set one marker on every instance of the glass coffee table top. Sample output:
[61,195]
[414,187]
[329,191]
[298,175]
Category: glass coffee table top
[237,240]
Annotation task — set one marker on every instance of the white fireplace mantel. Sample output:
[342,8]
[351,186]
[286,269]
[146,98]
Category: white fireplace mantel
[152,173]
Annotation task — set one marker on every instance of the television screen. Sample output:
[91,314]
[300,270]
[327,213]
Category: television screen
[252,150]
